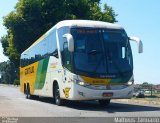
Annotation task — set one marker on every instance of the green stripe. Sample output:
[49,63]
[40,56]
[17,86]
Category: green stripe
[121,80]
[41,73]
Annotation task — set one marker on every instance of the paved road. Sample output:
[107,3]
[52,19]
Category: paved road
[13,103]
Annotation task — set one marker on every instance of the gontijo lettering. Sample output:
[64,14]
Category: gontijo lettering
[29,70]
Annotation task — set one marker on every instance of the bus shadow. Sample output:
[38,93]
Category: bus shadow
[112,107]
[94,106]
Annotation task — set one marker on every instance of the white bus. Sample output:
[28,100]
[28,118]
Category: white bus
[79,60]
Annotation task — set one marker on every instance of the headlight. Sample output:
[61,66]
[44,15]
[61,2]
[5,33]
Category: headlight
[130,83]
[80,82]
[83,83]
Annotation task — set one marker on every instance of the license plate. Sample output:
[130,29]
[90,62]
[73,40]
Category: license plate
[107,94]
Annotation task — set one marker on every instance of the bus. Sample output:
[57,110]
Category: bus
[79,60]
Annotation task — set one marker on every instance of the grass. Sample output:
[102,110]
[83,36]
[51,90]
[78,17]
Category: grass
[151,100]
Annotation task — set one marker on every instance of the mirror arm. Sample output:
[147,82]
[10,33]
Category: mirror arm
[70,41]
[139,43]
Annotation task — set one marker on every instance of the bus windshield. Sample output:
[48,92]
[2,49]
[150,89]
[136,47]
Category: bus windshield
[101,52]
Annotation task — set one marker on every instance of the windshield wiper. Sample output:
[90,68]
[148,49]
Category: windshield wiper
[93,52]
[110,60]
[98,63]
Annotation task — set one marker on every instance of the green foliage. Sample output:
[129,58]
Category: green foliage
[107,14]
[8,73]
[16,82]
[32,18]
[145,83]
[146,86]
[5,44]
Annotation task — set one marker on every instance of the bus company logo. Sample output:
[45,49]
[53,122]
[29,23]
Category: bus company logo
[53,65]
[29,70]
[98,81]
[66,92]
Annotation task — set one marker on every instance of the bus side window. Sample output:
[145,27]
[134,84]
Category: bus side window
[66,56]
[52,45]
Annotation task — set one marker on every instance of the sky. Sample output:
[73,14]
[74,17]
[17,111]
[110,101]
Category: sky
[6,6]
[139,18]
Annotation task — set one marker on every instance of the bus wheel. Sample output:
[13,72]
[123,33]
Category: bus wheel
[25,92]
[104,102]
[28,94]
[57,98]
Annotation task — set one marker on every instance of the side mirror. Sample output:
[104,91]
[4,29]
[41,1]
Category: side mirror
[139,43]
[70,41]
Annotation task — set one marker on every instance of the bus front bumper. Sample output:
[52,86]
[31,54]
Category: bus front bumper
[83,93]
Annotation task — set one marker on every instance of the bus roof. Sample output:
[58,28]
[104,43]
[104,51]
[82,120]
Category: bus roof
[87,23]
[77,23]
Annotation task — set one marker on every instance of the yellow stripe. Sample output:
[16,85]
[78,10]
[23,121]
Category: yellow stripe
[96,81]
[28,75]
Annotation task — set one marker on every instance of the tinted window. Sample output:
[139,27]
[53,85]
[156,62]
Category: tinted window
[61,32]
[88,55]
[47,47]
[101,52]
[66,55]
[52,45]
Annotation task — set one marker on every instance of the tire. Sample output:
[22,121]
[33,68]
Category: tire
[104,102]
[28,94]
[25,92]
[57,98]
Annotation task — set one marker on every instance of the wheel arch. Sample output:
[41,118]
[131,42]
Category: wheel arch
[55,82]
[25,87]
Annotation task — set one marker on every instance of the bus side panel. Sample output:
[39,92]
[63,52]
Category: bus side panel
[48,72]
[34,75]
[28,76]
[41,74]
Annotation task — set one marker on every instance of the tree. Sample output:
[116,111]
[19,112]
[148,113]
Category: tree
[147,86]
[8,73]
[32,18]
[4,44]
